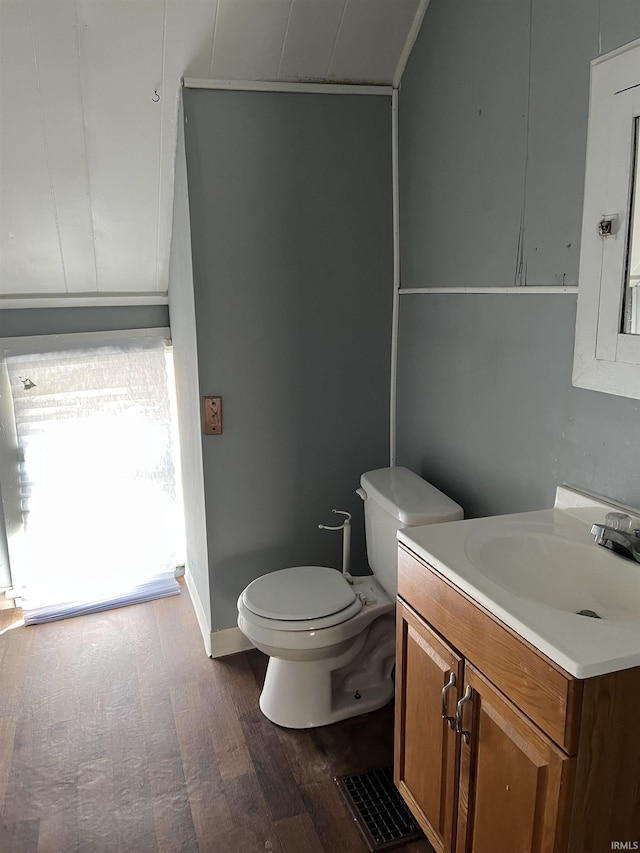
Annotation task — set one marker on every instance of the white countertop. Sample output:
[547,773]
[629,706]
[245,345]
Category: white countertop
[583,646]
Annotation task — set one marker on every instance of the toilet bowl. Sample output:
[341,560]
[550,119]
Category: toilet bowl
[330,637]
[333,663]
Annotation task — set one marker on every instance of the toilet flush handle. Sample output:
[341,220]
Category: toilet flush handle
[361,494]
[346,537]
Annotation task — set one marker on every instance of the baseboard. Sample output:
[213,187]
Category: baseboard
[203,622]
[229,641]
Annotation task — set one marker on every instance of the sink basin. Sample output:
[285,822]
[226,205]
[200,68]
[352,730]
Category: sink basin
[535,571]
[554,566]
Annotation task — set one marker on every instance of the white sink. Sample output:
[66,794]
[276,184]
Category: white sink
[536,570]
[547,564]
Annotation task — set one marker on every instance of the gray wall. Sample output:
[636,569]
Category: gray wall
[19,322]
[290,200]
[493,118]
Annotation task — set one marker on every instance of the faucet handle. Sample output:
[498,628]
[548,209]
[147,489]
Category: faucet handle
[618,521]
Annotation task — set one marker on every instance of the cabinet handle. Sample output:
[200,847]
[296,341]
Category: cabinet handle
[451,683]
[466,736]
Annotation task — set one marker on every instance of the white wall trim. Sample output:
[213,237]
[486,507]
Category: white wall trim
[229,641]
[393,393]
[409,43]
[43,343]
[199,611]
[300,88]
[521,291]
[83,300]
[13,302]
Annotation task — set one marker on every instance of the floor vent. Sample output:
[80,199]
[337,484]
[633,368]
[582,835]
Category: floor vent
[378,809]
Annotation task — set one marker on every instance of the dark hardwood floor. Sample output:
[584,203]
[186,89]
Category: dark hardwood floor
[117,733]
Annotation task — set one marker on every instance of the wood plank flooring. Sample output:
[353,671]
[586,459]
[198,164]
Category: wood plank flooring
[119,735]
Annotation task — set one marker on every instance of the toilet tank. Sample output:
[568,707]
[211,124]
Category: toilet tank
[395,498]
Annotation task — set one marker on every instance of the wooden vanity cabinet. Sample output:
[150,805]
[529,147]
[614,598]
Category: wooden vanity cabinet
[542,762]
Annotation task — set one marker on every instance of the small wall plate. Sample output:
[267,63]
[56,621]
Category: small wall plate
[212,415]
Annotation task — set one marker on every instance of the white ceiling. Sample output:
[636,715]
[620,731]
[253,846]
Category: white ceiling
[88,108]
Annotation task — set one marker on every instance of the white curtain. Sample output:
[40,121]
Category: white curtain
[103,524]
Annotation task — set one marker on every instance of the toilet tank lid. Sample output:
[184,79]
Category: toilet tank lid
[408,497]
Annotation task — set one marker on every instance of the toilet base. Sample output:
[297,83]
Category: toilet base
[299,700]
[306,694]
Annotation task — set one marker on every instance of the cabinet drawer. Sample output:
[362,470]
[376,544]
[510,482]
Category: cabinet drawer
[540,688]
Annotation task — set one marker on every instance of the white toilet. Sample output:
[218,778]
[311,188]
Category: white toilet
[330,637]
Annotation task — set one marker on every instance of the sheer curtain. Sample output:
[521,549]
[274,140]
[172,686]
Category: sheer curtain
[103,523]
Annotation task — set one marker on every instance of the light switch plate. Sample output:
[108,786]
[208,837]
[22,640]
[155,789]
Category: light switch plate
[212,415]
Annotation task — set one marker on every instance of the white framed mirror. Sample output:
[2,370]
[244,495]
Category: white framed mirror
[607,343]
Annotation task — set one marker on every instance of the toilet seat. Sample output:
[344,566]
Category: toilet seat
[301,598]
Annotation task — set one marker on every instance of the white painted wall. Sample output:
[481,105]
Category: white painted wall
[88,116]
[10,512]
[185,360]
[5,567]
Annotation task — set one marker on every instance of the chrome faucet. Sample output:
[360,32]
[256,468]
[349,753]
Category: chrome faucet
[618,535]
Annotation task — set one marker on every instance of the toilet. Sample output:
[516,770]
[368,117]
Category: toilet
[331,637]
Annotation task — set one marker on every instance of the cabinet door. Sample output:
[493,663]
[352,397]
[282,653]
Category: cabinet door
[426,746]
[514,781]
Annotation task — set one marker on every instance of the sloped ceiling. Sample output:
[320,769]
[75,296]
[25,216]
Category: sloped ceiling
[88,108]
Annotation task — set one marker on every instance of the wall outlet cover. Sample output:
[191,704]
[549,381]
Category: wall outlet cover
[212,415]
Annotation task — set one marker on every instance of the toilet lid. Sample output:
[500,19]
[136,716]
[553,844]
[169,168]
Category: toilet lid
[303,592]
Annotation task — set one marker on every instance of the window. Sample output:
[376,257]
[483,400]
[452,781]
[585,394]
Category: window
[98,486]
[607,351]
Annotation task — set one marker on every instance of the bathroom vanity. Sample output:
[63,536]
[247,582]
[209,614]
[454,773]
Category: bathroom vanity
[517,719]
